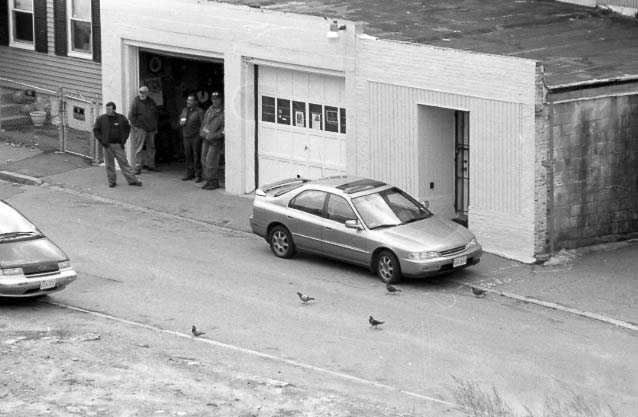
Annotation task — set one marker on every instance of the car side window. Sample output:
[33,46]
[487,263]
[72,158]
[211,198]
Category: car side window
[310,201]
[339,210]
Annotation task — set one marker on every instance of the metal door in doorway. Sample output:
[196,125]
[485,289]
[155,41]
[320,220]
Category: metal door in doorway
[462,165]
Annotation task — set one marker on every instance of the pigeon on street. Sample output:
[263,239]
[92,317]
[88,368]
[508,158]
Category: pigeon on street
[304,298]
[392,289]
[196,332]
[478,292]
[374,323]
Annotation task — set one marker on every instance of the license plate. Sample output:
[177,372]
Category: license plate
[460,261]
[47,284]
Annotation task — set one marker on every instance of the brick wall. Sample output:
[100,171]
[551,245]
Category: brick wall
[595,170]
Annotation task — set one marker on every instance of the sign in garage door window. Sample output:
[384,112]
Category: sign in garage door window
[332,119]
[299,113]
[283,111]
[315,116]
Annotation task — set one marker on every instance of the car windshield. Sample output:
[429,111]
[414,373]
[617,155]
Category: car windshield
[388,208]
[19,236]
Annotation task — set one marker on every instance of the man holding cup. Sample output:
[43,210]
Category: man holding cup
[190,121]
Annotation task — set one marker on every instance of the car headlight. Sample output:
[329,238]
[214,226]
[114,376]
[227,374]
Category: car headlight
[64,264]
[11,271]
[420,256]
[471,243]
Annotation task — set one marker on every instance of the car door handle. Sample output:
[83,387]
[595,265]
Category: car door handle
[328,228]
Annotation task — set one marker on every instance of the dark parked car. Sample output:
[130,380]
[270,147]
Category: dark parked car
[364,222]
[30,264]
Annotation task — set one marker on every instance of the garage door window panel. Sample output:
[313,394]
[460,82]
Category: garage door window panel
[331,119]
[268,109]
[283,111]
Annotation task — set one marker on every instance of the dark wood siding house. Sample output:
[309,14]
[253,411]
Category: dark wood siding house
[52,43]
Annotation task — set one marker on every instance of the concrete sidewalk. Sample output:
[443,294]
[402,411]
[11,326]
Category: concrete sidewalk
[598,282]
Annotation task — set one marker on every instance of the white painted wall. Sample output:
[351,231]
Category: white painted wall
[499,93]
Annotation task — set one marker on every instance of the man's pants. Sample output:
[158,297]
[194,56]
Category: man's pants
[193,156]
[113,152]
[141,140]
[211,155]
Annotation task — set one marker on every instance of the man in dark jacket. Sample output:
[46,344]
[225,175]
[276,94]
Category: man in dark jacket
[212,133]
[191,120]
[143,117]
[111,130]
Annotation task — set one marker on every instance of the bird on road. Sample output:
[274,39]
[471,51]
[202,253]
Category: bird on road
[304,298]
[392,289]
[374,323]
[196,332]
[478,292]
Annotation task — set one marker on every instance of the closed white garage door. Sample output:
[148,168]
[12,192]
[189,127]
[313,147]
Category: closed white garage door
[302,125]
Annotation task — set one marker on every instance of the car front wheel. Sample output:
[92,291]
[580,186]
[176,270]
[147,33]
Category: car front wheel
[281,242]
[388,268]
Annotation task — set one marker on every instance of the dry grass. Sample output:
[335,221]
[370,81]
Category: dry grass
[481,403]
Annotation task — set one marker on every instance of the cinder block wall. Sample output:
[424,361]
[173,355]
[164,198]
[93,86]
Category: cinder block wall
[595,175]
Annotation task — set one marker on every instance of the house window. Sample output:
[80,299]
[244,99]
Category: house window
[22,23]
[80,28]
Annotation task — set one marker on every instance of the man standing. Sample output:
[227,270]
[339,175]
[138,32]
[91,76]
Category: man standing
[143,117]
[212,133]
[191,121]
[111,130]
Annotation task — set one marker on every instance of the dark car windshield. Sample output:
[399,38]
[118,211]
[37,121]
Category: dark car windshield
[388,208]
[19,236]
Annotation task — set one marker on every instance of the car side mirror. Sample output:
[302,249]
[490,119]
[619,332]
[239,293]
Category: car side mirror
[425,203]
[353,224]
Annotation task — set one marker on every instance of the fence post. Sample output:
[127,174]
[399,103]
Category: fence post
[62,116]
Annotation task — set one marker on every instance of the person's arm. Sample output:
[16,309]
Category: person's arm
[126,130]
[97,131]
[132,114]
[219,131]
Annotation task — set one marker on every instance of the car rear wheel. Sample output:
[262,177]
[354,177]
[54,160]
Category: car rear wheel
[281,242]
[388,268]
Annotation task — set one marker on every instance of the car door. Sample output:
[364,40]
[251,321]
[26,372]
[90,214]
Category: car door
[339,241]
[305,219]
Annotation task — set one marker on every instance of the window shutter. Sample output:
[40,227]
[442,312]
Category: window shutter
[97,35]
[40,18]
[4,23]
[59,24]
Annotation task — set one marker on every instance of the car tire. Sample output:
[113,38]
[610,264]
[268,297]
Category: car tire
[387,267]
[281,243]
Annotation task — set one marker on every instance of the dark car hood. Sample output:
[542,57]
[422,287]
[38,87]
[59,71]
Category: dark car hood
[433,233]
[27,252]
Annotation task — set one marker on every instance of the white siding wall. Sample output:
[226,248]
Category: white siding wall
[498,92]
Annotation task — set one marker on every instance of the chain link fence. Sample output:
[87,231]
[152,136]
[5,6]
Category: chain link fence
[47,119]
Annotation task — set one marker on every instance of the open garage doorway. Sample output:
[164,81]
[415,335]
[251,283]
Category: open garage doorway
[171,79]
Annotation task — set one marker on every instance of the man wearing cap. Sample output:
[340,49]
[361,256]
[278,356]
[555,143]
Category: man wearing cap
[212,134]
[143,118]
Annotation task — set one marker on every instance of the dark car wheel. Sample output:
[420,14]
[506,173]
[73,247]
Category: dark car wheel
[388,268]
[281,242]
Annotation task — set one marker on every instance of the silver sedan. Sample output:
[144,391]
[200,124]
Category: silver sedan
[364,222]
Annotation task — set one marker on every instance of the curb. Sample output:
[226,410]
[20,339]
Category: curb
[555,306]
[19,178]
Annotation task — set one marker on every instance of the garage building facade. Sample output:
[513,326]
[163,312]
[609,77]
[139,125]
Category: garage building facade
[308,96]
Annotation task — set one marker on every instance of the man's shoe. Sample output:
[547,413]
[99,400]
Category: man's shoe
[112,184]
[199,179]
[137,183]
[187,178]
[153,169]
[210,186]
